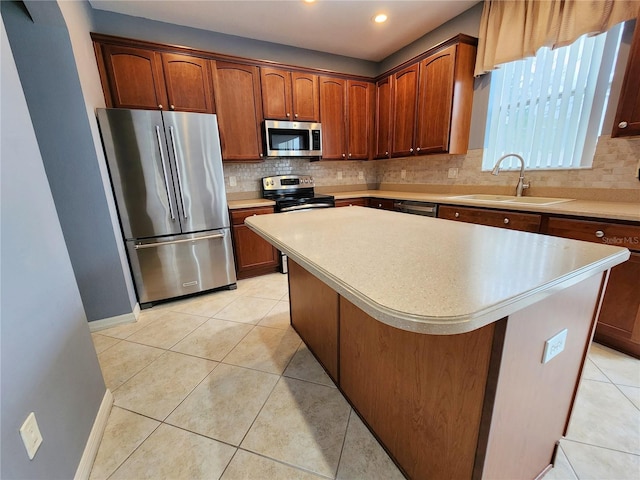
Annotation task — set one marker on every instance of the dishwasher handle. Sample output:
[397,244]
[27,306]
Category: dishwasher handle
[427,209]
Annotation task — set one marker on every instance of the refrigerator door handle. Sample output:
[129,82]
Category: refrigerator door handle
[164,172]
[184,240]
[175,155]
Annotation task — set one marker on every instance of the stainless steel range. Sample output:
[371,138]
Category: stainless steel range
[293,193]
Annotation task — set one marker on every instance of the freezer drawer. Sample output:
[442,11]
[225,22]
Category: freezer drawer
[181,264]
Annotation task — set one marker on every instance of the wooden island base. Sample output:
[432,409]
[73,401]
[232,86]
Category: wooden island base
[474,405]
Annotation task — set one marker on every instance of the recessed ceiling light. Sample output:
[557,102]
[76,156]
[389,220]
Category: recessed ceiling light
[380,18]
[309,1]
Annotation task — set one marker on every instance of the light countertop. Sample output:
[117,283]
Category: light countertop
[582,208]
[430,275]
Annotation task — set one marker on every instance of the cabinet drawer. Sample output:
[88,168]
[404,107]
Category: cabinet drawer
[347,202]
[495,218]
[617,234]
[382,203]
[238,216]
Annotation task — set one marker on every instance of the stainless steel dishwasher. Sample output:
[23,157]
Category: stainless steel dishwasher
[417,208]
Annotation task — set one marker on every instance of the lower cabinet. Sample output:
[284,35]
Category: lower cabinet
[382,203]
[254,256]
[526,222]
[619,321]
[349,202]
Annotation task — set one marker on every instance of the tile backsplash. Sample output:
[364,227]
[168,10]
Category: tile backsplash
[615,166]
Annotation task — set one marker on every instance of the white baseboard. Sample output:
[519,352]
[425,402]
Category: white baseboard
[98,325]
[95,437]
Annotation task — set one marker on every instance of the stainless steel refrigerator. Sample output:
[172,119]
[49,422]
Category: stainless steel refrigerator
[167,178]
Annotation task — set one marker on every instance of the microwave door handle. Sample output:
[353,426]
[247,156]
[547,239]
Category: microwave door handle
[175,155]
[164,172]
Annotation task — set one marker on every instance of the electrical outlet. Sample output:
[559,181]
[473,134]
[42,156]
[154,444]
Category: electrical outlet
[31,435]
[403,174]
[339,174]
[360,175]
[554,346]
[453,173]
[232,181]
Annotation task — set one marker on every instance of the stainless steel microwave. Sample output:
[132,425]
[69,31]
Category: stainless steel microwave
[293,139]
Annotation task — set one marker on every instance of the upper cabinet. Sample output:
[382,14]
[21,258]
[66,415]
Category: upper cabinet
[627,120]
[133,77]
[347,118]
[141,78]
[289,95]
[383,118]
[239,107]
[188,81]
[430,106]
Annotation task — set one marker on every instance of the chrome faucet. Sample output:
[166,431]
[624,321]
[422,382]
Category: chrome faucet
[521,185]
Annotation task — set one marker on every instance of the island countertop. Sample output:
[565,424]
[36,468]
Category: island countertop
[429,275]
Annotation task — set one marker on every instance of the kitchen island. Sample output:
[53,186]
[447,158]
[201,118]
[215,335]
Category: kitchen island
[435,331]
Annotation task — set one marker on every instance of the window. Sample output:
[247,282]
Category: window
[549,108]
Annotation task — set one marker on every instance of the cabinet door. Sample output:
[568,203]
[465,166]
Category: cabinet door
[188,82]
[526,222]
[627,120]
[135,77]
[435,94]
[619,320]
[239,107]
[383,118]
[359,95]
[404,111]
[306,101]
[276,93]
[254,255]
[332,116]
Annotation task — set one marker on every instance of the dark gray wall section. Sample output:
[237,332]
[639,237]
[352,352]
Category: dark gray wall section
[48,363]
[49,77]
[110,23]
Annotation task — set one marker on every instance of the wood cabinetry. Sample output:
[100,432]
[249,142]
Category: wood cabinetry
[351,202]
[619,321]
[381,203]
[188,82]
[346,116]
[432,102]
[132,77]
[384,92]
[289,95]
[141,78]
[239,107]
[627,120]
[527,222]
[254,256]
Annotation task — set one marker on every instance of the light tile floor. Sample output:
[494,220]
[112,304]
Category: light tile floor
[220,386]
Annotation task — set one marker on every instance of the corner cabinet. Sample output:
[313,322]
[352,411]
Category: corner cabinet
[288,95]
[627,120]
[239,107]
[254,256]
[431,102]
[346,108]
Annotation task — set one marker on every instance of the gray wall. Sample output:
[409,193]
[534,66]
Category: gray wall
[110,23]
[49,77]
[48,363]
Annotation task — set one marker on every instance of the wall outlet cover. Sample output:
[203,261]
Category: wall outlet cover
[554,345]
[361,175]
[232,181]
[452,173]
[339,174]
[31,436]
[403,174]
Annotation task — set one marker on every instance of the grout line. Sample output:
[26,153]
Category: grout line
[282,462]
[134,450]
[568,461]
[602,447]
[344,442]
[259,411]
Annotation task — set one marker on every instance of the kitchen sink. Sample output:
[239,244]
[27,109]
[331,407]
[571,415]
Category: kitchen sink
[514,199]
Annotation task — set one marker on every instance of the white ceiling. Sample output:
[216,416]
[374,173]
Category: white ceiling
[342,27]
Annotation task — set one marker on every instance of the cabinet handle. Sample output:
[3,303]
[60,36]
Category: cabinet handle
[456,215]
[599,233]
[160,106]
[261,155]
[411,150]
[506,221]
[172,107]
[343,155]
[349,155]
[623,125]
[379,205]
[288,115]
[295,115]
[418,149]
[386,153]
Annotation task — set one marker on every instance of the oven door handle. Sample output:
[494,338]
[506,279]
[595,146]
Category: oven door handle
[308,206]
